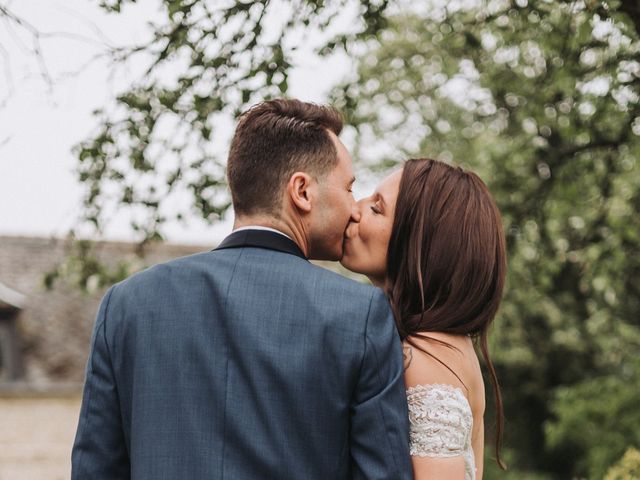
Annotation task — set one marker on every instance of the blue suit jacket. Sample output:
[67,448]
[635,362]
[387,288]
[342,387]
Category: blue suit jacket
[242,363]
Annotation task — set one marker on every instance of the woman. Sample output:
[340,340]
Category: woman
[432,238]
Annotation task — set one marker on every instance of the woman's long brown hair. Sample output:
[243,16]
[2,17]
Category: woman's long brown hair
[446,261]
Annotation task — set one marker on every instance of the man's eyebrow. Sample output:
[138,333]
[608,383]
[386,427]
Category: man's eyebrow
[352,181]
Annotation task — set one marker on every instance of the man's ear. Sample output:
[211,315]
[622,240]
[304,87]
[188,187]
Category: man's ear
[301,190]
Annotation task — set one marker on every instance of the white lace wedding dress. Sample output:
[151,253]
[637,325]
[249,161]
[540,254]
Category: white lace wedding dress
[441,423]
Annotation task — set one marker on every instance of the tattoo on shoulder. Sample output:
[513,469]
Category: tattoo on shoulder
[407,354]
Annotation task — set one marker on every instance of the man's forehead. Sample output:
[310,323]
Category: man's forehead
[336,140]
[343,154]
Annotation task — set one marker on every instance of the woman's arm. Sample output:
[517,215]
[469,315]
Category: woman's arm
[477,443]
[429,468]
[437,438]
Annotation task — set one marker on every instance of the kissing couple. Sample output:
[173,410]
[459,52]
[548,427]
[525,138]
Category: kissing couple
[250,362]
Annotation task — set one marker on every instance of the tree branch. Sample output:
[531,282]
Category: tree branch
[36,35]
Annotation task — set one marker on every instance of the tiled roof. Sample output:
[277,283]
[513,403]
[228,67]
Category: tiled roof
[10,299]
[55,325]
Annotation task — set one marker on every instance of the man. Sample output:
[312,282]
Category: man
[248,361]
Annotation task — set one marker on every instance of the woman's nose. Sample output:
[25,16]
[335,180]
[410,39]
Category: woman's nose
[356,211]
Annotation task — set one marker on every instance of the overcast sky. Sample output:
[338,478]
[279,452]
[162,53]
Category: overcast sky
[40,124]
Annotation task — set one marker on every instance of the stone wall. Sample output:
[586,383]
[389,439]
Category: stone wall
[37,435]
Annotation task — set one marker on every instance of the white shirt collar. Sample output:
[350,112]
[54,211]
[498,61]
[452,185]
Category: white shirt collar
[260,227]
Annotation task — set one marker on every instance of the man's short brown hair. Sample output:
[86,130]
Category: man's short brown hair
[273,140]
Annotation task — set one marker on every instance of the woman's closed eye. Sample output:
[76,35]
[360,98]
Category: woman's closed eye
[375,209]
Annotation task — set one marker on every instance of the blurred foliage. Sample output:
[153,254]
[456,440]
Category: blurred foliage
[599,416]
[540,97]
[82,267]
[628,468]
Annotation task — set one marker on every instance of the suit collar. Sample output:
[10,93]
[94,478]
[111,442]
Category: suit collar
[262,239]
[260,227]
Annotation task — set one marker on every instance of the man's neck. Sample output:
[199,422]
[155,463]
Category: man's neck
[280,225]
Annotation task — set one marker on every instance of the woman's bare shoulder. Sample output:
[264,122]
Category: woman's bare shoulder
[443,358]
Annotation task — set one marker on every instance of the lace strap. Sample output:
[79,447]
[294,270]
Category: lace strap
[440,421]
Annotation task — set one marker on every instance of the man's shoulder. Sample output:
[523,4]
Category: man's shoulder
[343,295]
[286,266]
[321,275]
[163,272]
